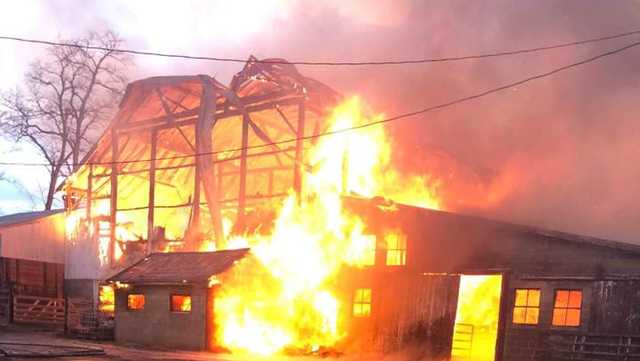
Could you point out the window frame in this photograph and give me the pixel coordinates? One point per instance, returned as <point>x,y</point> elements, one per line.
<point>526,306</point>
<point>144,301</point>
<point>567,307</point>
<point>361,303</point>
<point>400,252</point>
<point>180,295</point>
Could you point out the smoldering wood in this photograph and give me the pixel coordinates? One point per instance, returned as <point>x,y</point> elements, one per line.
<point>243,168</point>
<point>113,196</point>
<point>297,176</point>
<point>89,193</point>
<point>190,117</point>
<point>152,191</point>
<point>285,119</point>
<point>204,160</point>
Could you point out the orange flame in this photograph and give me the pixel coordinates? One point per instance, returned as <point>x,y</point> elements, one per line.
<point>282,297</point>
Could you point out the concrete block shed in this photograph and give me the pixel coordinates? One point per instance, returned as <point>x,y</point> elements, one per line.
<point>165,298</point>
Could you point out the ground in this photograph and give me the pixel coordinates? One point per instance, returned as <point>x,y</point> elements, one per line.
<point>54,341</point>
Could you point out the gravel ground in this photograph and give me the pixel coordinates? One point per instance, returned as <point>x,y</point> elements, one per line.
<point>54,341</point>
<point>58,342</point>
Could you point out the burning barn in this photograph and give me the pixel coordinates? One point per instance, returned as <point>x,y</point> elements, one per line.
<point>142,190</point>
<point>190,167</point>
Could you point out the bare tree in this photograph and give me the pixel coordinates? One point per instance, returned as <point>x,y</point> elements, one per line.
<point>67,99</point>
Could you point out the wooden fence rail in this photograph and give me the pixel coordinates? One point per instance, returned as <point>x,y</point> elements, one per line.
<point>39,310</point>
<point>594,347</point>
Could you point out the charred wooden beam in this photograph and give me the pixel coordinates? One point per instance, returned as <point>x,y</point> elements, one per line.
<point>186,139</point>
<point>297,175</point>
<point>158,121</point>
<point>152,190</point>
<point>113,195</point>
<point>204,158</point>
<point>89,192</point>
<point>285,119</point>
<point>243,168</point>
<point>190,117</point>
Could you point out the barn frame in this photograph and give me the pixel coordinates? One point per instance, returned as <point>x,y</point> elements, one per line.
<point>183,154</point>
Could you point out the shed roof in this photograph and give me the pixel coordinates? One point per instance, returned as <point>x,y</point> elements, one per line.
<point>179,267</point>
<point>24,217</point>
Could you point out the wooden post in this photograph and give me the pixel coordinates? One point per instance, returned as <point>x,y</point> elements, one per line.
<point>243,169</point>
<point>197,182</point>
<point>297,172</point>
<point>502,316</point>
<point>113,196</point>
<point>89,196</point>
<point>152,190</point>
<point>204,158</point>
<point>210,340</point>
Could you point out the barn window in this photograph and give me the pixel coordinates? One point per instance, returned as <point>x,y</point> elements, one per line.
<point>526,309</point>
<point>362,302</point>
<point>567,307</point>
<point>396,249</point>
<point>180,303</point>
<point>135,302</point>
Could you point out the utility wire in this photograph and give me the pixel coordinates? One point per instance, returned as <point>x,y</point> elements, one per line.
<point>326,63</point>
<point>373,123</point>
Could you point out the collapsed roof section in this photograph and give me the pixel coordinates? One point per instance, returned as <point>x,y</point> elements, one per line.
<point>186,148</point>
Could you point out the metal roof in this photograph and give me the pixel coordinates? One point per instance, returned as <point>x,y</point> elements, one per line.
<point>24,217</point>
<point>179,267</point>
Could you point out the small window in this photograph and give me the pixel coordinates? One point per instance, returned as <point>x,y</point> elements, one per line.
<point>526,309</point>
<point>135,302</point>
<point>180,303</point>
<point>567,307</point>
<point>362,302</point>
<point>396,249</point>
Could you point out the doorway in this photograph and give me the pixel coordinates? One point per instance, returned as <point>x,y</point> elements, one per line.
<point>477,315</point>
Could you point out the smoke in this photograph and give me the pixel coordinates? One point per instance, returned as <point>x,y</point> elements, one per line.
<point>560,153</point>
<point>557,153</point>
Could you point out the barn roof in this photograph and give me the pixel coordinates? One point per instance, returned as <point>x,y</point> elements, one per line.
<point>179,267</point>
<point>629,246</point>
<point>25,217</point>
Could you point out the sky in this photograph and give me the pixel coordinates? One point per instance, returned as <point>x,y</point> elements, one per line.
<point>559,153</point>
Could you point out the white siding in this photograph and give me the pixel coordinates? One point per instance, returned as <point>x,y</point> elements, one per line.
<point>37,240</point>
<point>81,252</point>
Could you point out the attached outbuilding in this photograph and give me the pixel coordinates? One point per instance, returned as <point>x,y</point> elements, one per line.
<point>168,298</point>
<point>486,290</point>
<point>32,267</point>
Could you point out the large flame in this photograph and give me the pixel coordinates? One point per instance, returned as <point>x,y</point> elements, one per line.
<point>283,296</point>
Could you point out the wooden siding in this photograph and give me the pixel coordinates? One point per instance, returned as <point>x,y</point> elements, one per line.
<point>407,310</point>
<point>31,277</point>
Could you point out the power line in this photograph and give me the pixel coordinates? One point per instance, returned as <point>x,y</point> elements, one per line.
<point>370,124</point>
<point>326,63</point>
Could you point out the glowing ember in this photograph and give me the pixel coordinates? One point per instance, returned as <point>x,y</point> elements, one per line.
<point>283,296</point>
